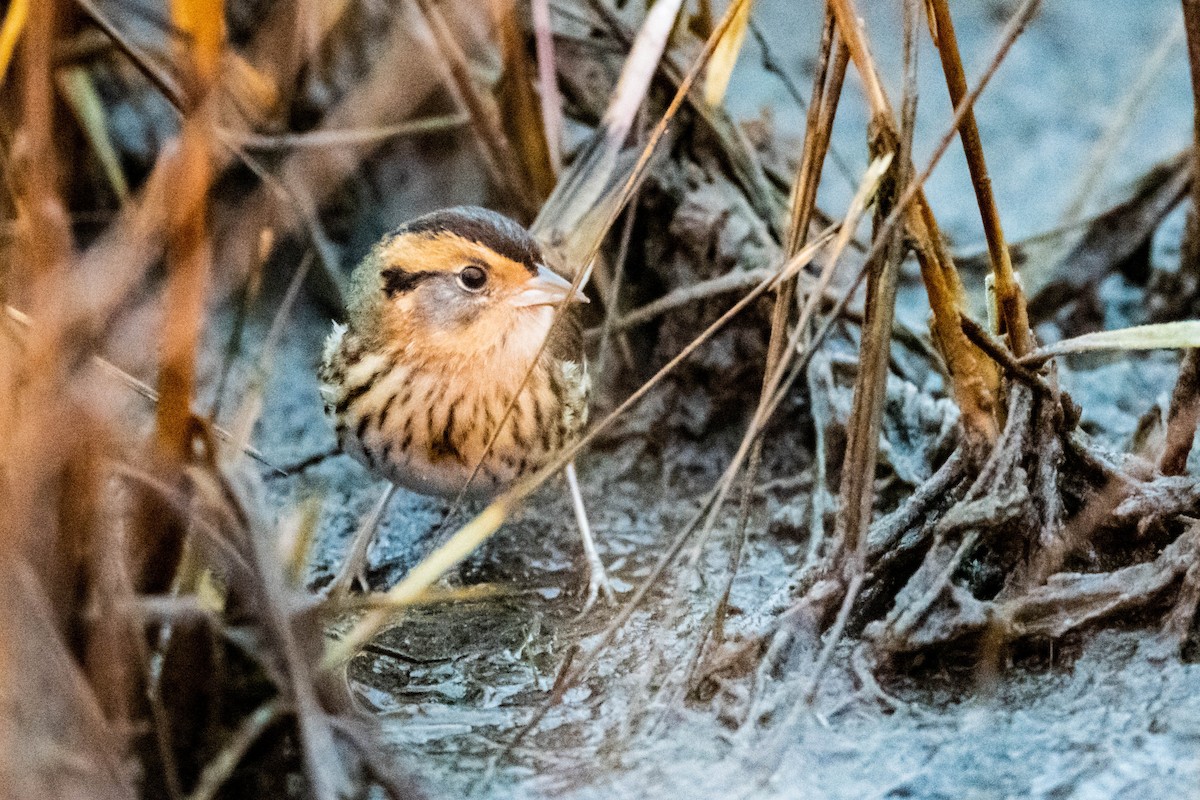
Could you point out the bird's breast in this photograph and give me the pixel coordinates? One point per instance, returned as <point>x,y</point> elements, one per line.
<point>432,431</point>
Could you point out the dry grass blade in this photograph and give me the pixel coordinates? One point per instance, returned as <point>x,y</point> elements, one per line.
<point>10,32</point>
<point>724,58</point>
<point>1159,336</point>
<point>418,580</point>
<point>574,219</point>
<point>345,138</point>
<point>82,98</point>
<point>826,95</point>
<point>551,98</point>
<point>219,770</point>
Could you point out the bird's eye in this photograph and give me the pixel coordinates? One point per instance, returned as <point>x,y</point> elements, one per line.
<point>472,278</point>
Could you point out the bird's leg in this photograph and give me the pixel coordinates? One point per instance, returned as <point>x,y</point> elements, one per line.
<point>354,567</point>
<point>597,577</point>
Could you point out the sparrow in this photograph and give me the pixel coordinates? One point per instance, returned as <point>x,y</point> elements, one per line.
<point>446,315</point>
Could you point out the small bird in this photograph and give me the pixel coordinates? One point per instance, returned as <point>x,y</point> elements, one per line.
<point>446,315</point>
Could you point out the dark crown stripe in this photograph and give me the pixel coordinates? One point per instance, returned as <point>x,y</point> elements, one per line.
<point>494,231</point>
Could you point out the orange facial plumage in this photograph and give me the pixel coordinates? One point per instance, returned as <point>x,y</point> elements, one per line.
<point>446,316</point>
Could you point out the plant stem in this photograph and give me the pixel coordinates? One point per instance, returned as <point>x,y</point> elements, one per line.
<point>1013,312</point>
<point>964,362</point>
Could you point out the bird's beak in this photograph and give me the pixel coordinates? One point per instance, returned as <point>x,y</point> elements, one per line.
<point>547,288</point>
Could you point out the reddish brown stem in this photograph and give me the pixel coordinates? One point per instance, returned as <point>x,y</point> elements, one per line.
<point>969,376</point>
<point>1013,315</point>
<point>1182,417</point>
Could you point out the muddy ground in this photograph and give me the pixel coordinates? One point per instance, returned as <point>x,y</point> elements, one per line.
<point>1105,715</point>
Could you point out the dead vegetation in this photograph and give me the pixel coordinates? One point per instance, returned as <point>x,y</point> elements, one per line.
<point>158,637</point>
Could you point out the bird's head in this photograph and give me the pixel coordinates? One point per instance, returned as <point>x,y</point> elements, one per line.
<point>461,280</point>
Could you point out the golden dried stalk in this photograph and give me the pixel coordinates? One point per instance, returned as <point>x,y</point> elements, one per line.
<point>969,376</point>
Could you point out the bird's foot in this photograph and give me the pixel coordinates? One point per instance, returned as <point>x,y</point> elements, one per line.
<point>598,583</point>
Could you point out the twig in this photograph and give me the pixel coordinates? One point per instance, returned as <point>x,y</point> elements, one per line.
<point>1003,356</point>
<point>344,138</point>
<point>219,770</point>
<point>732,281</point>
<point>142,62</point>
<point>1182,416</point>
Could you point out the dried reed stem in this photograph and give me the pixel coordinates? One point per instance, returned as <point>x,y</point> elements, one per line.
<point>822,108</point>
<point>1014,315</point>
<point>499,156</point>
<point>946,298</point>
<point>189,262</point>
<point>856,494</point>
<point>552,107</point>
<point>1182,416</point>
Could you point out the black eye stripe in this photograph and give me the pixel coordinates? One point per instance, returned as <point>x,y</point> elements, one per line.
<point>398,281</point>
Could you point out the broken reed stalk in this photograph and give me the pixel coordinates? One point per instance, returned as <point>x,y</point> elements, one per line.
<point>1181,422</point>
<point>946,297</point>
<point>1182,416</point>
<point>499,156</point>
<point>1010,301</point>
<point>523,119</point>
<point>866,414</point>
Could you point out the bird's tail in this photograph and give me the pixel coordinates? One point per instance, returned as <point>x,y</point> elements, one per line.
<point>576,216</point>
